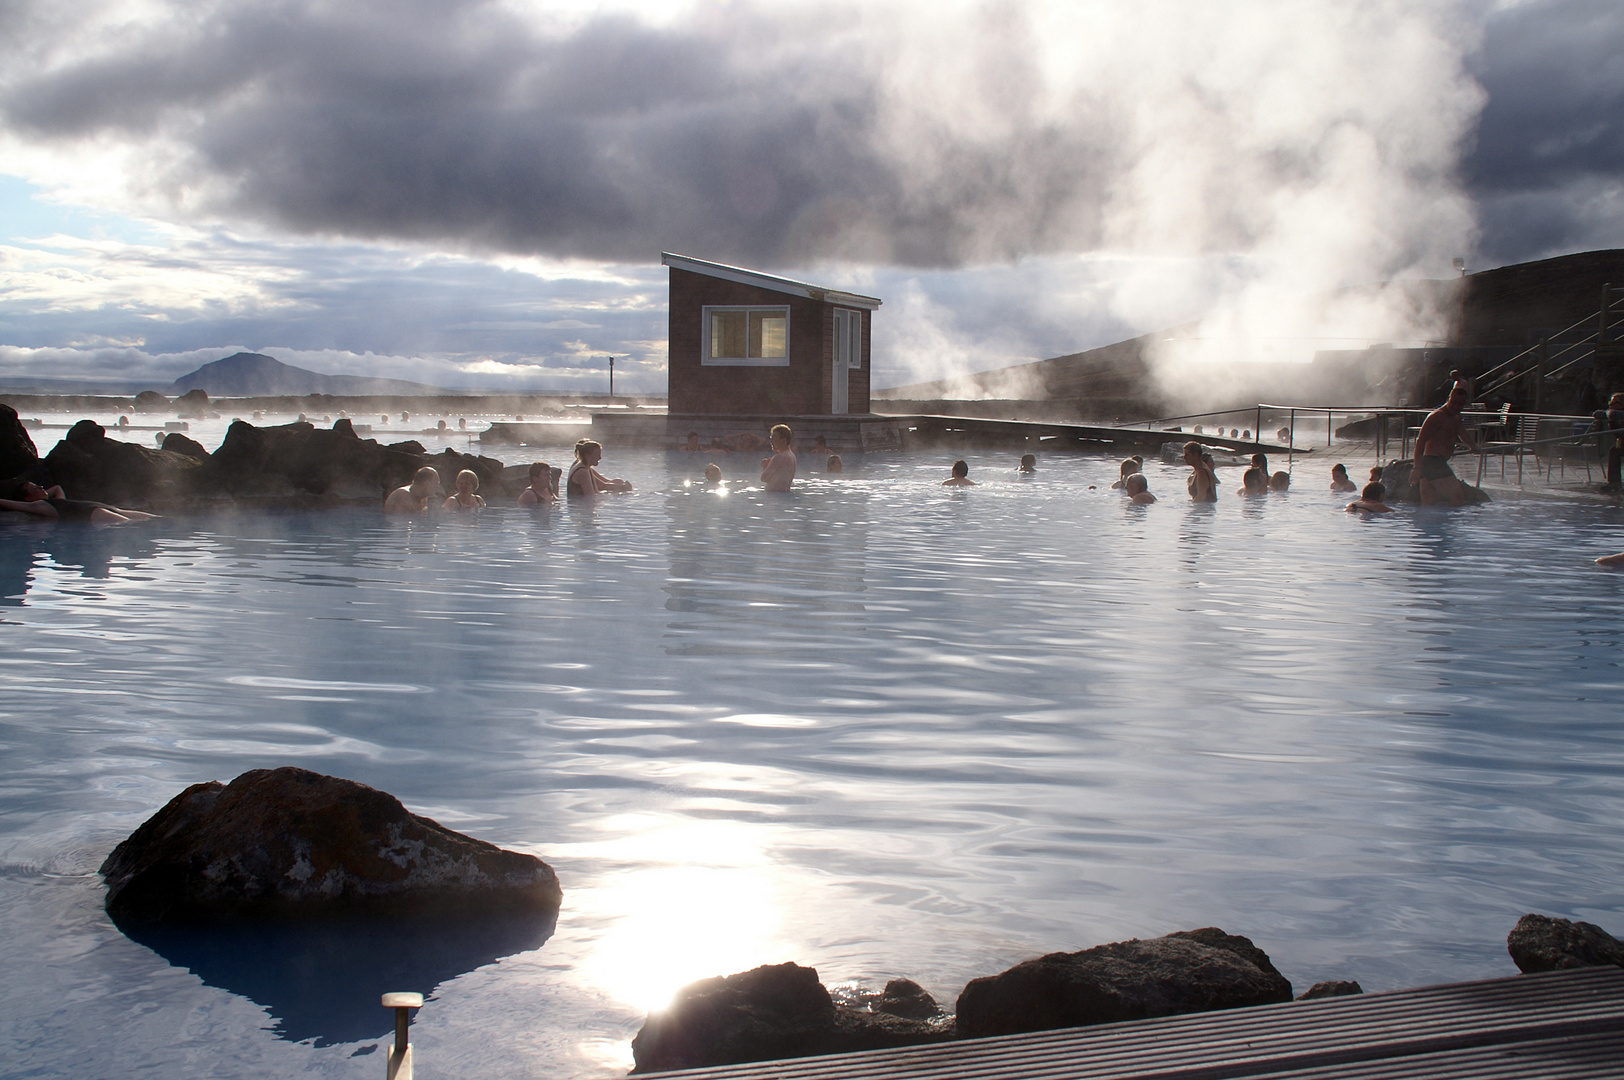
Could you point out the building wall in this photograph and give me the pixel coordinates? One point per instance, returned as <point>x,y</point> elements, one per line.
<point>799,389</point>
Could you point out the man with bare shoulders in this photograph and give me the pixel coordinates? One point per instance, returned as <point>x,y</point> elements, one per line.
<point>778,471</point>
<point>414,497</point>
<point>1432,476</point>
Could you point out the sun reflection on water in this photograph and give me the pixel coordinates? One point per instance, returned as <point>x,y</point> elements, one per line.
<point>701,898</point>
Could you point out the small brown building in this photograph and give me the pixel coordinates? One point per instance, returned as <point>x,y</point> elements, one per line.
<point>745,343</point>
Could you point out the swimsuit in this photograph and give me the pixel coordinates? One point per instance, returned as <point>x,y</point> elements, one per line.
<point>1195,487</point>
<point>1436,467</point>
<point>77,509</point>
<point>574,487</point>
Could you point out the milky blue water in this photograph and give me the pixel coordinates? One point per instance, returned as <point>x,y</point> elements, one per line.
<point>874,726</point>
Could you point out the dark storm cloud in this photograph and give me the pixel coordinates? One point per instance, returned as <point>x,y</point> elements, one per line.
<point>1547,171</point>
<point>745,134</point>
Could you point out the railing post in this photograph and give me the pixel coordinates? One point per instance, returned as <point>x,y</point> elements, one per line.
<point>1539,374</point>
<point>399,1065</point>
<point>1291,437</point>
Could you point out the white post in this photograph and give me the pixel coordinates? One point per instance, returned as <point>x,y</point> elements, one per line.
<point>399,1065</point>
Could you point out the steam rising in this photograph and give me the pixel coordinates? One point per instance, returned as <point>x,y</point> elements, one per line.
<point>1157,160</point>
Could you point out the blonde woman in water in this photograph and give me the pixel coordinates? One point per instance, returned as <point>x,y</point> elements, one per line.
<point>585,480</point>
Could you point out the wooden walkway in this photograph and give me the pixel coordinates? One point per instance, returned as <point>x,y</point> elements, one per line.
<point>1566,1024</point>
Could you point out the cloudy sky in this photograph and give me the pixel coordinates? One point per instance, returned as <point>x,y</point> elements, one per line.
<point>475,193</point>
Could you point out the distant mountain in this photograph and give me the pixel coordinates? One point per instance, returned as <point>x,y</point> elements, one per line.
<point>256,375</point>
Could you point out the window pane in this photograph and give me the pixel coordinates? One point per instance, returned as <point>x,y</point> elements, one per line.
<point>727,334</point>
<point>767,334</point>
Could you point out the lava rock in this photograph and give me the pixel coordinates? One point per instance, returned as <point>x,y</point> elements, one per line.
<point>1541,943</point>
<point>289,843</point>
<point>150,401</point>
<point>298,463</point>
<point>176,443</point>
<point>89,465</point>
<point>906,998</point>
<point>17,451</point>
<point>771,1012</point>
<point>1330,989</point>
<point>1188,971</point>
<point>194,404</point>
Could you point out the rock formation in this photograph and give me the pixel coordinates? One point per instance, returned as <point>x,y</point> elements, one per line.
<point>290,842</point>
<point>770,1012</point>
<point>17,451</point>
<point>1330,989</point>
<point>89,465</point>
<point>299,464</point>
<point>1541,943</point>
<point>176,443</point>
<point>906,998</point>
<point>1189,971</point>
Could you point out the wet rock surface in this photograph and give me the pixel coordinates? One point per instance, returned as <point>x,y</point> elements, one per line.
<point>906,998</point>
<point>293,843</point>
<point>770,1012</point>
<point>1541,943</point>
<point>1330,989</point>
<point>1188,971</point>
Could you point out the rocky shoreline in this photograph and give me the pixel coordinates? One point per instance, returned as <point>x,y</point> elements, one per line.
<point>285,844</point>
<point>782,1011</point>
<point>285,466</point>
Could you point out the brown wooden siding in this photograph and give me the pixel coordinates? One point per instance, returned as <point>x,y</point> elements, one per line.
<point>799,389</point>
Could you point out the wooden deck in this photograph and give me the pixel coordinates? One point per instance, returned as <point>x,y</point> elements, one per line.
<point>1104,437</point>
<point>1567,1024</point>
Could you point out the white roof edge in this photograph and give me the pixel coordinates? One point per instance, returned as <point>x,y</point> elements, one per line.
<point>768,281</point>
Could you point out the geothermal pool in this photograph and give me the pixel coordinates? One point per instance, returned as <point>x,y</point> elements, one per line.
<point>874,726</point>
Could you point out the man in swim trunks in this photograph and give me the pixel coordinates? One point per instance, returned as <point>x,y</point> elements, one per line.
<point>1432,476</point>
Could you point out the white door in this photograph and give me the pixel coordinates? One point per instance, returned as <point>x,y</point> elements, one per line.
<point>848,354</point>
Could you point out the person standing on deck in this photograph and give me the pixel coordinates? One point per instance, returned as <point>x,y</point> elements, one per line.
<point>778,471</point>
<point>1434,479</point>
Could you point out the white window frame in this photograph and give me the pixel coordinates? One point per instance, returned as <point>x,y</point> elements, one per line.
<point>705,358</point>
<point>854,327</point>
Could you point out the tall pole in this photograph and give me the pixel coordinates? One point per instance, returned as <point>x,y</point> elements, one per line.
<point>611,378</point>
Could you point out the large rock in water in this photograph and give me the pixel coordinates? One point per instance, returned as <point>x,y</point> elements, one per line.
<point>1189,971</point>
<point>771,1012</point>
<point>1541,943</point>
<point>89,465</point>
<point>298,463</point>
<point>17,451</point>
<point>290,842</point>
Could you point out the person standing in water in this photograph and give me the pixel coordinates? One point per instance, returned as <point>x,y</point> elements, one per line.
<point>1440,431</point>
<point>778,471</point>
<point>960,477</point>
<point>414,497</point>
<point>540,492</point>
<point>585,480</point>
<point>466,496</point>
<point>1203,485</point>
<point>1339,479</point>
<point>1255,481</point>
